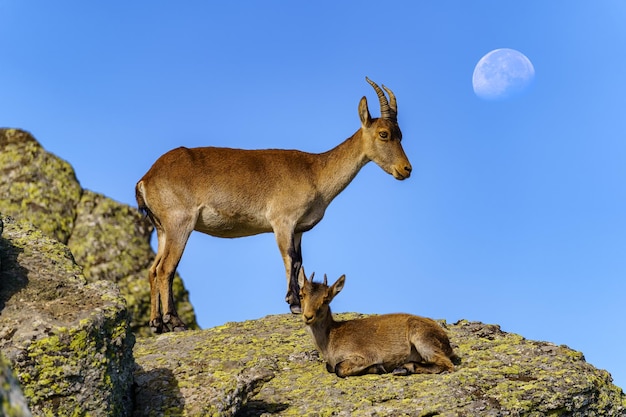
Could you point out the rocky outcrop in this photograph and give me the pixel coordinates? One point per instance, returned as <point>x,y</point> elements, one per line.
<point>12,401</point>
<point>36,185</point>
<point>270,367</point>
<point>111,241</point>
<point>69,341</point>
<point>70,346</point>
<point>73,271</point>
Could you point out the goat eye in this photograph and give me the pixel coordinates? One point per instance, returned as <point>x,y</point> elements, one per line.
<point>383,135</point>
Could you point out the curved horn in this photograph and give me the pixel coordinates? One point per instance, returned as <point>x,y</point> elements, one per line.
<point>386,111</point>
<point>392,100</point>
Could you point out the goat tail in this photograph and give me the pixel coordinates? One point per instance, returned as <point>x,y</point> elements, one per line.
<point>141,202</point>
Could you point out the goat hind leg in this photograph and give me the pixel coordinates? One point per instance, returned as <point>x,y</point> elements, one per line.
<point>437,364</point>
<point>170,317</point>
<point>434,361</point>
<point>442,362</point>
<point>434,353</point>
<point>156,320</point>
<point>172,252</point>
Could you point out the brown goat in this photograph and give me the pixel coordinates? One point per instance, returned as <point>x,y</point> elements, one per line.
<point>399,343</point>
<point>231,193</point>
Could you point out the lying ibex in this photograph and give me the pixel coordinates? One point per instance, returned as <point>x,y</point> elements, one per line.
<point>399,343</point>
<point>227,192</point>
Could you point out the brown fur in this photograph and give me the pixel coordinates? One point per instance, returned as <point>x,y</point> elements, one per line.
<point>231,193</point>
<point>399,343</point>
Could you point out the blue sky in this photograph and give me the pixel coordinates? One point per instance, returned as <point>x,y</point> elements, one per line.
<point>515,213</point>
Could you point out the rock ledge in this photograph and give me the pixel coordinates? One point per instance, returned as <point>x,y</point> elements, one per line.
<point>270,367</point>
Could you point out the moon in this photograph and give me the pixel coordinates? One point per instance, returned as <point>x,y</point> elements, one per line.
<point>502,73</point>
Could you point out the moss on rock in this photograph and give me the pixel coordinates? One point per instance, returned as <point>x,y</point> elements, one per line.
<point>37,185</point>
<point>12,401</point>
<point>69,340</point>
<point>110,240</point>
<point>204,374</point>
<point>499,374</point>
<point>65,330</point>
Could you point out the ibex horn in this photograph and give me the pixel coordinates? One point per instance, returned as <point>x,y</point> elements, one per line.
<point>392,101</point>
<point>387,110</point>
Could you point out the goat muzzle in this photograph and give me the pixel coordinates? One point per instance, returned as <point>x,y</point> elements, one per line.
<point>402,174</point>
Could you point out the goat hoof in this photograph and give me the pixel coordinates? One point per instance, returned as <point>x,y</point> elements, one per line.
<point>400,371</point>
<point>156,326</point>
<point>294,302</point>
<point>379,369</point>
<point>339,371</point>
<point>173,324</point>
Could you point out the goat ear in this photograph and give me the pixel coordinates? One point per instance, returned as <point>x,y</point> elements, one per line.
<point>337,287</point>
<point>302,277</point>
<point>364,113</point>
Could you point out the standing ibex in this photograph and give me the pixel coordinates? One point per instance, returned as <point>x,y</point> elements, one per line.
<point>399,343</point>
<point>227,192</point>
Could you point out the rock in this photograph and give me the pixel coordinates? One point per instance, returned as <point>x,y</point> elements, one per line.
<point>12,401</point>
<point>499,374</point>
<point>68,340</point>
<point>112,242</point>
<point>199,377</point>
<point>36,185</point>
<point>66,331</point>
<point>109,240</point>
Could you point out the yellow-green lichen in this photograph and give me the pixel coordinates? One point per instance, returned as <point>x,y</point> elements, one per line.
<point>12,401</point>
<point>76,353</point>
<point>499,373</point>
<point>39,186</point>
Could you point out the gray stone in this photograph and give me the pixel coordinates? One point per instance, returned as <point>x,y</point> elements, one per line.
<point>69,341</point>
<point>500,374</point>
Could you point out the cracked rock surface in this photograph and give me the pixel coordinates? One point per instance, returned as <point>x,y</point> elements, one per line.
<point>109,240</point>
<point>74,299</point>
<point>500,374</point>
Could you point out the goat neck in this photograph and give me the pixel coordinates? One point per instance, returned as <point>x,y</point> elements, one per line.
<point>339,166</point>
<point>321,330</point>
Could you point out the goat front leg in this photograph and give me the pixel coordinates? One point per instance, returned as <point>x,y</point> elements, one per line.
<point>293,287</point>
<point>290,248</point>
<point>357,365</point>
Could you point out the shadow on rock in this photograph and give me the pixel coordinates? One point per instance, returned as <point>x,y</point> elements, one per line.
<point>259,408</point>
<point>13,277</point>
<point>157,393</point>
